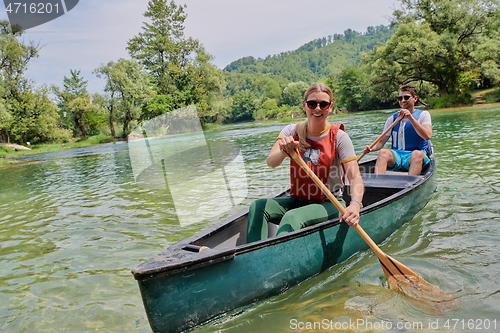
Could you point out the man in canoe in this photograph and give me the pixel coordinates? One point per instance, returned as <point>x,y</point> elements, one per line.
<point>410,137</point>
<point>329,152</point>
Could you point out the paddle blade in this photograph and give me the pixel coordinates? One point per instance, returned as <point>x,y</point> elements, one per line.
<point>428,297</point>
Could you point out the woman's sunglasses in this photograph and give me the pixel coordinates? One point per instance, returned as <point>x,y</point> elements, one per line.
<point>406,97</point>
<point>322,105</point>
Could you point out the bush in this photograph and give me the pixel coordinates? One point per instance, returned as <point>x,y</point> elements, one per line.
<point>275,112</point>
<point>492,96</point>
<point>5,150</point>
<point>449,101</point>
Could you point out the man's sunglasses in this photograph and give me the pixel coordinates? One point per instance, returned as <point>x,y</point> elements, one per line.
<point>406,97</point>
<point>322,105</point>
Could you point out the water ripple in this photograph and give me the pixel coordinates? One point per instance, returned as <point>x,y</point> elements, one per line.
<point>73,223</point>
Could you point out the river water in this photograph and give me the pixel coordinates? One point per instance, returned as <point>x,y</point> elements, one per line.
<point>73,223</point>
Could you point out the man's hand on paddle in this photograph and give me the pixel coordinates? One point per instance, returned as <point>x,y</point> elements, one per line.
<point>367,149</point>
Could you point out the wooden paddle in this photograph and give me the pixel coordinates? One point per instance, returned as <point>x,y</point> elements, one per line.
<point>400,278</point>
<point>398,119</point>
<point>393,270</point>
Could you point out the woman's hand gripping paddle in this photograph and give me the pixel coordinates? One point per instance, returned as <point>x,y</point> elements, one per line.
<point>399,277</point>
<point>398,119</point>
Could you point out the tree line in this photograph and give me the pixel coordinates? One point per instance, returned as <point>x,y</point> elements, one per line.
<point>446,48</point>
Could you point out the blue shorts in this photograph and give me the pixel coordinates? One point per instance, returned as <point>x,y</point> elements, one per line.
<point>403,159</point>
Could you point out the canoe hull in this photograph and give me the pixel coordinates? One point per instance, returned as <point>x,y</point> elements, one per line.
<point>178,300</point>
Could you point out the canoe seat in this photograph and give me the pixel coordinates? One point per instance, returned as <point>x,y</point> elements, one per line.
<point>389,180</point>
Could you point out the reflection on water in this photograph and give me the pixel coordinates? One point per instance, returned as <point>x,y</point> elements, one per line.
<point>73,223</point>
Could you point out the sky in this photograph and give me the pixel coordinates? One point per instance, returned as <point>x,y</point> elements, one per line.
<point>96,32</point>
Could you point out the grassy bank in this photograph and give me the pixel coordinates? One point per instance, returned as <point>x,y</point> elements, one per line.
<point>7,153</point>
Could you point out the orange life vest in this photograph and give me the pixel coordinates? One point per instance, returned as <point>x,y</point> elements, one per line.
<point>319,158</point>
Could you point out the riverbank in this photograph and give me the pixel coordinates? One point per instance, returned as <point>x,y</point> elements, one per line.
<point>7,152</point>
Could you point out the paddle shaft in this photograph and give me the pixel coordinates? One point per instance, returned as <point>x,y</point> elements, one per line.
<point>398,119</point>
<point>390,266</point>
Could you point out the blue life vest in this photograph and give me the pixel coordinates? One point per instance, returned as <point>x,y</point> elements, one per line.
<point>412,140</point>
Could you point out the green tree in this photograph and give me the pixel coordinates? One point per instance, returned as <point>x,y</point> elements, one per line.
<point>87,116</point>
<point>436,41</point>
<point>207,84</point>
<point>260,85</point>
<point>34,118</point>
<point>270,110</point>
<point>243,107</point>
<point>14,59</point>
<point>219,109</point>
<point>5,116</point>
<point>107,102</point>
<point>129,89</point>
<point>488,55</point>
<point>179,65</point>
<point>351,89</point>
<point>272,90</point>
<point>74,86</point>
<point>160,105</point>
<point>350,35</point>
<point>293,94</point>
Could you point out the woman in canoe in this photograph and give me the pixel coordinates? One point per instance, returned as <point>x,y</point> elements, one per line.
<point>328,150</point>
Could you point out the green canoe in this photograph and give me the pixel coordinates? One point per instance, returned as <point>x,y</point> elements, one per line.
<point>182,288</point>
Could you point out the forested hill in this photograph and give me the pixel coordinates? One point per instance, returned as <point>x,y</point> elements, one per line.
<point>317,59</point>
